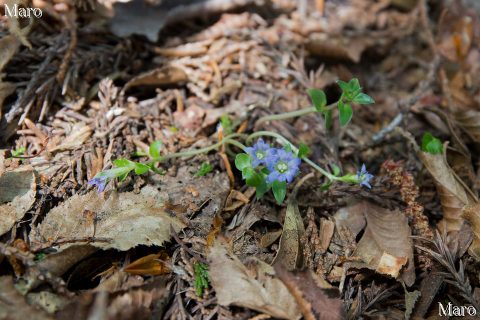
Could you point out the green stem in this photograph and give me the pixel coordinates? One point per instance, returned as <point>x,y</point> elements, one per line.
<point>189,153</point>
<point>294,114</point>
<point>284,141</point>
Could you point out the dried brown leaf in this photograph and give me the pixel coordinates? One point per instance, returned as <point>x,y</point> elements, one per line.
<point>385,246</point>
<point>17,195</point>
<point>471,213</point>
<point>469,120</point>
<point>158,77</point>
<point>152,265</point>
<point>290,252</point>
<point>453,193</point>
<point>125,219</point>
<point>235,284</point>
<point>314,303</point>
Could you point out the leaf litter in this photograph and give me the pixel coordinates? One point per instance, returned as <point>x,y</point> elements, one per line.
<point>94,82</point>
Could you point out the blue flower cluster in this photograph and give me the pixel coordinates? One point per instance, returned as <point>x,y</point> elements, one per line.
<point>282,165</point>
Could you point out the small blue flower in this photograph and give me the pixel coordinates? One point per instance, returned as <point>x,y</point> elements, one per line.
<point>364,177</point>
<point>258,152</point>
<point>283,165</point>
<point>100,182</point>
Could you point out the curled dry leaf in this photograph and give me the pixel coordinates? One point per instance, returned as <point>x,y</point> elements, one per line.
<point>125,219</point>
<point>314,302</point>
<point>469,120</point>
<point>453,193</point>
<point>253,287</point>
<point>385,246</point>
<point>290,252</point>
<point>472,214</point>
<point>158,77</point>
<point>151,265</point>
<point>17,194</point>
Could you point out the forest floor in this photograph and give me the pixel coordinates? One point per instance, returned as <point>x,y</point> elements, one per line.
<point>111,209</point>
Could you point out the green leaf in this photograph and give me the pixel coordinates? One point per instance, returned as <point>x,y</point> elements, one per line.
<point>336,170</point>
<point>204,169</point>
<point>154,149</point>
<point>319,99</point>
<point>18,152</point>
<point>141,168</point>
<point>303,150</point>
<point>287,147</point>
<point>123,176</point>
<point>345,113</point>
<point>344,86</point>
<point>255,180</point>
<point>242,161</point>
<point>326,186</point>
<point>40,256</point>
<point>279,190</point>
<point>430,144</point>
<point>328,119</point>
<point>354,86</point>
<point>363,98</point>
<point>247,173</point>
<point>138,154</point>
<point>226,124</point>
<point>121,163</point>
<point>261,189</point>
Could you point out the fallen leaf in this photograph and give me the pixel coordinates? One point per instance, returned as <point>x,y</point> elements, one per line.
<point>385,246</point>
<point>471,213</point>
<point>469,120</point>
<point>125,219</point>
<point>290,252</point>
<point>17,195</point>
<point>13,305</point>
<point>151,265</point>
<point>453,193</point>
<point>158,77</point>
<point>314,302</point>
<point>253,288</point>
<point>338,48</point>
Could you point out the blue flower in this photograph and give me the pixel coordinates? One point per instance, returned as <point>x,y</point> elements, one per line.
<point>283,165</point>
<point>258,152</point>
<point>99,181</point>
<point>364,177</point>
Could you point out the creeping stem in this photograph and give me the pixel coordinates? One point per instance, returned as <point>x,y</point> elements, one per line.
<point>294,114</point>
<point>227,140</point>
<point>284,141</point>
